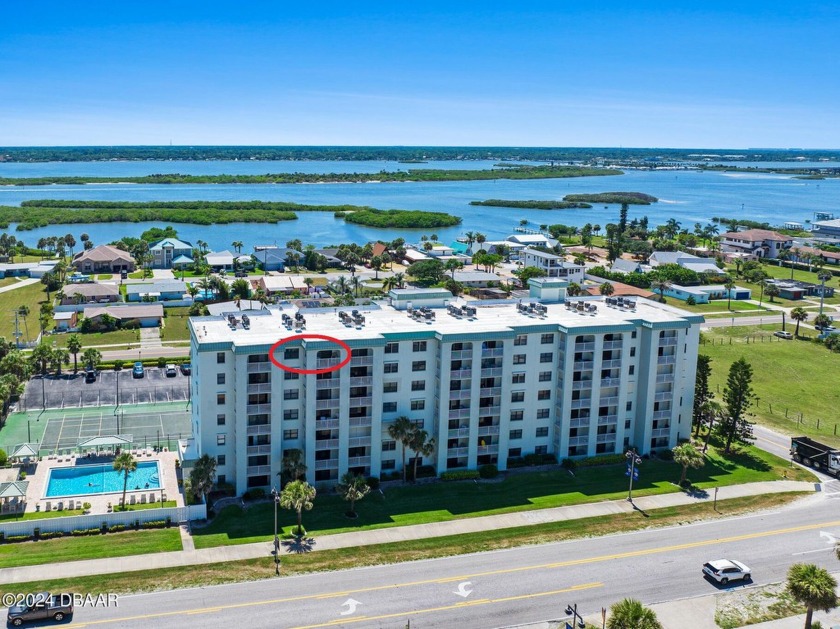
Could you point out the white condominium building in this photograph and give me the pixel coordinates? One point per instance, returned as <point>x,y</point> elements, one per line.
<point>573,378</point>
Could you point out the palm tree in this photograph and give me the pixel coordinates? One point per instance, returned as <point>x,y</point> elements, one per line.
<point>92,357</point>
<point>293,466</point>
<point>376,265</point>
<point>401,430</point>
<point>606,289</point>
<point>480,239</point>
<point>422,445</point>
<point>728,284</point>
<point>812,586</point>
<point>470,238</point>
<point>356,282</point>
<point>389,283</point>
<point>237,244</point>
<point>687,456</point>
<point>202,476</point>
<point>631,614</point>
<point>574,289</point>
<point>298,496</point>
<point>798,314</point>
<point>353,488</point>
<point>308,281</point>
<point>126,464</point>
<point>452,265</point>
<point>822,321</point>
<point>59,357</point>
<point>400,279</point>
<point>771,291</point>
<point>662,285</point>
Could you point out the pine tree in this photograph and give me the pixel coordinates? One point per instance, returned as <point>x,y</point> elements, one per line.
<point>702,394</point>
<point>738,396</point>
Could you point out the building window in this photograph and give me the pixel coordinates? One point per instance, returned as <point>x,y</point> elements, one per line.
<point>392,367</point>
<point>517,416</point>
<point>418,346</point>
<point>392,348</point>
<point>514,452</point>
<point>389,446</point>
<point>629,406</point>
<point>220,419</point>
<point>220,459</point>
<point>290,434</point>
<point>632,369</point>
<point>418,365</point>
<point>221,479</point>
<point>389,387</point>
<point>546,357</point>
<point>633,334</point>
<point>519,359</point>
<point>543,413</point>
<point>418,405</point>
<point>545,394</point>
<point>418,385</point>
<point>632,352</point>
<point>515,434</point>
<point>389,407</point>
<point>291,414</point>
<point>542,432</point>
<point>547,339</point>
<point>291,353</point>
<point>220,399</point>
<point>541,450</point>
<point>220,378</point>
<point>220,439</point>
<point>390,464</point>
<point>518,378</point>
<point>545,376</point>
<point>290,375</point>
<point>220,358</point>
<point>291,394</point>
<point>521,339</point>
<point>517,396</point>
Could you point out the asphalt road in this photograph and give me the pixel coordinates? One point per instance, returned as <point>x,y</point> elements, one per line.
<point>725,322</point>
<point>503,588</point>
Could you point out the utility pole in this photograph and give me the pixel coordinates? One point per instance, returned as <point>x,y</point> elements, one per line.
<point>633,460</point>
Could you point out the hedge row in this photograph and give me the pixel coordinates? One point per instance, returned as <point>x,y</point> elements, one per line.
<point>460,475</point>
<point>115,528</point>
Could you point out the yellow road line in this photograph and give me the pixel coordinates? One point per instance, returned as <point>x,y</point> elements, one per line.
<point>467,577</point>
<point>485,601</point>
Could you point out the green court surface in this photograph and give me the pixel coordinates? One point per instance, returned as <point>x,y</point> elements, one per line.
<point>62,429</point>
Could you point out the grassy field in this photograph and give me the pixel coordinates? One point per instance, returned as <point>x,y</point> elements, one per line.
<point>32,296</point>
<point>94,339</point>
<point>92,547</point>
<point>439,502</point>
<point>302,563</point>
<point>8,281</point>
<point>39,515</point>
<point>788,376</point>
<point>175,324</point>
<point>718,305</point>
<point>783,273</point>
<point>105,276</point>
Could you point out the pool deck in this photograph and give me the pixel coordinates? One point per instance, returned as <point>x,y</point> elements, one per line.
<point>36,492</point>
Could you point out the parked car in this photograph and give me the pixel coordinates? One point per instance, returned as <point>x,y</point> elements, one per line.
<point>725,570</point>
<point>171,372</point>
<point>90,375</point>
<point>41,606</point>
<point>138,371</point>
<point>186,369</point>
<point>783,335</point>
<point>826,328</point>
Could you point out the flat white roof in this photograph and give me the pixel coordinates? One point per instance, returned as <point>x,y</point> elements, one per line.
<point>268,328</point>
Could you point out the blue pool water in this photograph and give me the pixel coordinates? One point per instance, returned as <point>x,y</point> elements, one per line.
<point>100,479</point>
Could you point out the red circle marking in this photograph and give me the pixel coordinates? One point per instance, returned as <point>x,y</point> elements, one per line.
<point>313,372</point>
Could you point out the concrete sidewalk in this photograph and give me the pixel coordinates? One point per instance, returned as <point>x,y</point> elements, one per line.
<point>387,535</point>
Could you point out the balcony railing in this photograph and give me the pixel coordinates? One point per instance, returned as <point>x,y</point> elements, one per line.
<point>491,353</point>
<point>461,394</point>
<point>582,365</point>
<point>460,374</point>
<point>465,354</point>
<point>491,392</point>
<point>584,347</point>
<point>607,438</point>
<point>458,432</point>
<point>453,452</point>
<point>607,419</point>
<point>666,360</point>
<point>668,340</point>
<point>660,432</point>
<point>359,442</point>
<point>358,461</point>
<point>579,422</point>
<point>257,409</point>
<point>460,413</point>
<point>610,382</point>
<point>333,383</point>
<point>492,449</point>
<point>263,387</point>
<point>661,414</point>
<point>665,378</point>
<point>326,424</point>
<point>361,421</point>
<point>582,403</point>
<point>325,404</point>
<point>578,385</point>
<point>664,396</point>
<point>361,361</point>
<point>361,401</point>
<point>325,363</point>
<point>611,364</point>
<point>579,441</point>
<point>361,381</point>
<point>484,431</point>
<point>491,372</point>
<point>612,344</point>
<point>263,449</point>
<point>263,367</point>
<point>326,444</point>
<point>260,429</point>
<point>608,401</point>
<point>258,470</point>
<point>326,464</point>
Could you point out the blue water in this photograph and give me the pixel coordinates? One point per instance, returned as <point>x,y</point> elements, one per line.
<point>687,196</point>
<point>100,479</point>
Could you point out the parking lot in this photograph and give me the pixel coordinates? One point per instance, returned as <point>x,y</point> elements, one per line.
<point>71,391</point>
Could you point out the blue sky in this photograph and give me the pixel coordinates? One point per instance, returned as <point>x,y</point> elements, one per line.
<point>759,74</point>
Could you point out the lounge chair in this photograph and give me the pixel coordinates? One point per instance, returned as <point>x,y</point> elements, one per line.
<point>133,499</point>
<point>48,507</point>
<point>71,505</point>
<point>142,499</point>
<point>152,498</point>
<point>60,506</point>
<point>122,502</point>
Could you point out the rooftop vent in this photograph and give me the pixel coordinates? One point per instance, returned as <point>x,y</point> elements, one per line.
<point>246,322</point>
<point>624,303</point>
<point>532,309</point>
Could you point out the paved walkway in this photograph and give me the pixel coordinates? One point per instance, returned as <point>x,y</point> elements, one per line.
<point>386,535</point>
<point>19,284</point>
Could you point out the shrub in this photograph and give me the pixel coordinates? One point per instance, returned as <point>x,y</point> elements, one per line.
<point>426,471</point>
<point>83,532</point>
<point>459,475</point>
<point>18,538</point>
<point>116,528</point>
<point>607,459</point>
<point>568,464</point>
<point>690,301</point>
<point>254,494</point>
<point>532,459</point>
<point>36,532</point>
<point>4,458</point>
<point>154,524</point>
<point>161,362</point>
<point>516,461</point>
<point>86,506</point>
<point>118,365</point>
<point>22,476</point>
<point>488,471</point>
<point>373,482</point>
<point>666,455</point>
<point>50,535</point>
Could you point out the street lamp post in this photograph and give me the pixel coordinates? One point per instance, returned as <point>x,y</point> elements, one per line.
<point>572,611</point>
<point>633,460</point>
<point>276,498</point>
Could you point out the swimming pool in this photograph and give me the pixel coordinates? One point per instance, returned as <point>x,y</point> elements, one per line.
<point>100,479</point>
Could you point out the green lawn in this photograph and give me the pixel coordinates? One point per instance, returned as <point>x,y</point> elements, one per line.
<point>105,276</point>
<point>175,324</point>
<point>444,501</point>
<point>783,273</point>
<point>8,281</point>
<point>795,376</point>
<point>40,515</point>
<point>32,296</point>
<point>718,305</point>
<point>92,339</point>
<point>92,547</point>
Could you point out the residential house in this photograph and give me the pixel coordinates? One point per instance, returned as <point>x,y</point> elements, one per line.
<point>220,260</point>
<point>148,315</point>
<point>756,243</point>
<point>829,257</point>
<point>554,265</point>
<point>27,269</point>
<point>65,321</point>
<point>90,293</point>
<point>703,266</point>
<point>705,294</point>
<point>164,290</point>
<point>475,279</point>
<point>166,251</point>
<point>829,228</point>
<point>276,258</point>
<point>281,284</point>
<point>621,265</point>
<point>533,240</point>
<point>794,289</point>
<point>103,259</point>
